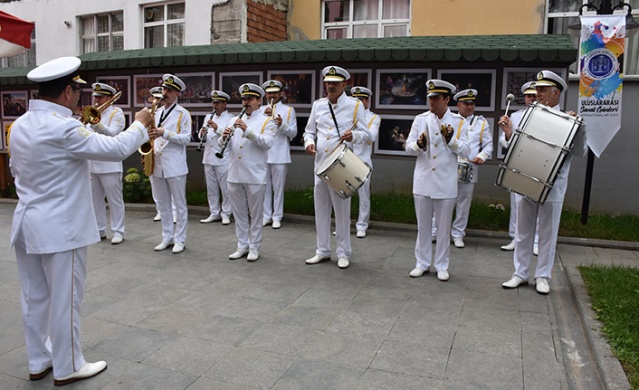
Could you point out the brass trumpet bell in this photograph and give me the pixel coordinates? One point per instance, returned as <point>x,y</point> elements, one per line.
<point>92,114</point>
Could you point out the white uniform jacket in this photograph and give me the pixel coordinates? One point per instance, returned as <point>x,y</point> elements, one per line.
<point>515,118</point>
<point>435,172</point>
<point>280,153</point>
<point>170,149</point>
<point>365,149</point>
<point>320,129</point>
<point>480,141</point>
<point>111,123</point>
<point>248,150</point>
<point>50,153</point>
<point>212,146</point>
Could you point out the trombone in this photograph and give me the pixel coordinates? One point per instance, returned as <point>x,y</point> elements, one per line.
<point>92,114</point>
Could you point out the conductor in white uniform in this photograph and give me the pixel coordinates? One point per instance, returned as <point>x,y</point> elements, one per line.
<point>53,222</point>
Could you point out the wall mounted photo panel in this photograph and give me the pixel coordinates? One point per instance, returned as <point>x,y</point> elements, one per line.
<point>481,80</point>
<point>142,85</point>
<point>393,132</point>
<point>14,103</point>
<point>198,89</point>
<point>298,88</point>
<point>514,78</point>
<point>231,82</point>
<point>297,143</point>
<point>402,89</point>
<point>120,83</point>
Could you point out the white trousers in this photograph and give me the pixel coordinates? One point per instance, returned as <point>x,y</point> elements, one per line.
<point>216,183</point>
<point>442,210</point>
<point>52,291</point>
<point>512,223</point>
<point>274,197</point>
<point>167,189</point>
<point>546,218</point>
<point>247,202</point>
<point>109,185</point>
<point>325,200</point>
<point>462,209</point>
<point>364,215</point>
<point>157,208</point>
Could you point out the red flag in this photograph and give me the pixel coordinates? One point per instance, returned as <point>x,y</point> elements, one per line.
<point>15,35</point>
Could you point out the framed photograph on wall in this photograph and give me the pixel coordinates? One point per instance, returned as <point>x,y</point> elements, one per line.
<point>230,83</point>
<point>360,77</point>
<point>120,83</point>
<point>298,86</point>
<point>297,143</point>
<point>481,80</point>
<point>86,99</point>
<point>14,103</point>
<point>393,132</point>
<point>5,130</point>
<point>198,89</point>
<point>514,78</point>
<point>142,85</point>
<point>197,121</point>
<point>402,89</point>
<point>34,94</point>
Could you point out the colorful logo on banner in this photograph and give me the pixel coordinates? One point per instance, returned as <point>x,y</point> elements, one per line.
<point>600,77</point>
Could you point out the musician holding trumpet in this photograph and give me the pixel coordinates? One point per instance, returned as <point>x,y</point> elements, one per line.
<point>248,138</point>
<point>216,169</point>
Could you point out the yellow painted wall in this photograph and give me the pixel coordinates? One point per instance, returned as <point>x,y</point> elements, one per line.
<point>440,17</point>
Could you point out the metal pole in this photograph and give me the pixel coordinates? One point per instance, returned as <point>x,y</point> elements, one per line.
<point>587,186</point>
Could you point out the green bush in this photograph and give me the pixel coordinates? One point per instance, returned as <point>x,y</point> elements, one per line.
<point>136,187</point>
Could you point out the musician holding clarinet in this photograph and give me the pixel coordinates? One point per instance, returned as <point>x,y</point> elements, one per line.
<point>247,140</point>
<point>334,119</point>
<point>549,87</point>
<point>438,138</point>
<point>216,169</point>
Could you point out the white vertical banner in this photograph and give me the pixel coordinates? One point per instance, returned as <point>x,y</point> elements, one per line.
<point>601,50</point>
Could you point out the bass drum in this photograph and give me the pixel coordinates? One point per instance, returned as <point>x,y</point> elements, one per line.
<point>344,171</point>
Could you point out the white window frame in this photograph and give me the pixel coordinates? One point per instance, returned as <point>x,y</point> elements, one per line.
<point>95,35</point>
<point>164,23</point>
<point>349,24</point>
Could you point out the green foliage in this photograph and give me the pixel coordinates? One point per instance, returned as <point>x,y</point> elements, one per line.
<point>136,187</point>
<point>614,292</point>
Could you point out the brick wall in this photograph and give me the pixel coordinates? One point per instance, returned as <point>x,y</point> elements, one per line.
<point>265,22</point>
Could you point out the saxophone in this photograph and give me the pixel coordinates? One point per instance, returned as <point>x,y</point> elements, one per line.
<point>146,149</point>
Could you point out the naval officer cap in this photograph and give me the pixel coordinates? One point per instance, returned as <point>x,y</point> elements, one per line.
<point>466,95</point>
<point>101,89</point>
<point>219,96</point>
<point>547,78</point>
<point>529,88</point>
<point>272,86</point>
<point>156,92</point>
<point>58,69</point>
<point>361,92</point>
<point>439,87</point>
<point>172,81</point>
<point>250,89</point>
<point>335,74</point>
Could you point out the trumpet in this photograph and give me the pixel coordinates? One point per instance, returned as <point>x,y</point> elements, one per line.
<point>92,114</point>
<point>202,134</point>
<point>146,149</point>
<point>220,154</point>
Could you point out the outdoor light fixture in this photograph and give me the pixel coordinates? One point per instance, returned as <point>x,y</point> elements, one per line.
<point>632,27</point>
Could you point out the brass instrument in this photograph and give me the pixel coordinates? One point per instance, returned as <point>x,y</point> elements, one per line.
<point>146,149</point>
<point>272,108</point>
<point>220,154</point>
<point>92,114</point>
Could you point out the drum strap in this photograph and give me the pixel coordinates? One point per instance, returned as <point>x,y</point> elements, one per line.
<point>330,107</point>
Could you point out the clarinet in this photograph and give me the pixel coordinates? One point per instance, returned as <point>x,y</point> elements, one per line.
<point>205,128</point>
<point>220,154</point>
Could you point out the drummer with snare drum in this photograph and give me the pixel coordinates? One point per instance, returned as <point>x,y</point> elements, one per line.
<point>334,119</point>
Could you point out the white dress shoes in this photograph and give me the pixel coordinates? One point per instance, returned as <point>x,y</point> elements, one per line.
<point>178,247</point>
<point>157,217</point>
<point>317,259</point>
<point>163,245</point>
<point>509,247</point>
<point>253,255</point>
<point>117,239</point>
<point>277,224</point>
<point>417,272</point>
<point>443,276</point>
<point>211,218</point>
<point>226,220</point>
<point>536,250</point>
<point>343,262</point>
<point>459,242</point>
<point>238,254</point>
<point>514,282</point>
<point>266,222</point>
<point>361,233</point>
<point>87,371</point>
<point>541,285</point>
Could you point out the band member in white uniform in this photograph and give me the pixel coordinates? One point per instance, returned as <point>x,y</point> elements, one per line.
<point>530,96</point>
<point>364,151</point>
<point>333,120</point>
<point>437,137</point>
<point>480,141</point>
<point>251,136</point>
<point>279,155</point>
<point>216,169</point>
<point>106,176</point>
<point>170,137</point>
<point>549,87</point>
<point>53,222</point>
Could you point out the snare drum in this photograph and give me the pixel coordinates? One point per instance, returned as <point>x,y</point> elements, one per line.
<point>344,171</point>
<point>537,151</point>
<point>464,171</point>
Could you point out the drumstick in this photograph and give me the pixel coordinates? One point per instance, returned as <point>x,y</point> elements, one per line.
<point>510,98</point>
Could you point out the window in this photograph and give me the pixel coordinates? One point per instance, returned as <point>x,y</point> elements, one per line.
<point>365,18</point>
<point>103,32</point>
<point>27,58</point>
<point>164,25</point>
<point>563,13</point>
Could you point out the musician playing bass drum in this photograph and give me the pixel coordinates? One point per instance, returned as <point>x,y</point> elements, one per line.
<point>549,87</point>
